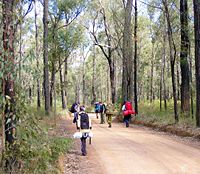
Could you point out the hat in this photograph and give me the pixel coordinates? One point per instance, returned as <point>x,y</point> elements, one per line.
<point>82,108</point>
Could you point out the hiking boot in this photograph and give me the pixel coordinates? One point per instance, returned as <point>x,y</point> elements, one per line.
<point>109,126</point>
<point>84,154</point>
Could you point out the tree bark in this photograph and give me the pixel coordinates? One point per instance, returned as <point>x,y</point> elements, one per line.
<point>65,79</point>
<point>45,56</point>
<point>108,53</point>
<point>135,60</point>
<point>93,79</point>
<point>127,75</point>
<point>185,80</point>
<point>152,72</point>
<point>53,74</point>
<point>197,57</point>
<point>191,82</point>
<point>8,81</point>
<point>61,85</point>
<point>37,57</point>
<point>178,81</point>
<point>84,86</point>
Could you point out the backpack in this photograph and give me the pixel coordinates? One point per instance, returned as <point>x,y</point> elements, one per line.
<point>128,105</point>
<point>129,109</point>
<point>97,107</point>
<point>102,107</point>
<point>72,110</point>
<point>109,109</point>
<point>84,121</point>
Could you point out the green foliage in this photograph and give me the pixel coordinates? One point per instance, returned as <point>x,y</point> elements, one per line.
<point>150,112</point>
<point>33,147</point>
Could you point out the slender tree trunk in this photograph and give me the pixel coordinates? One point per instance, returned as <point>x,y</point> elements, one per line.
<point>37,57</point>
<point>93,79</point>
<point>127,76</point>
<point>61,85</point>
<point>65,79</point>
<point>108,86</point>
<point>172,58</point>
<point>54,96</point>
<point>152,68</point>
<point>20,50</point>
<point>197,57</point>
<point>135,60</point>
<point>112,80</point>
<point>162,83</point>
<point>164,65</point>
<point>46,65</point>
<point>84,87</point>
<point>53,74</point>
<point>178,80</point>
<point>162,78</point>
<point>101,88</point>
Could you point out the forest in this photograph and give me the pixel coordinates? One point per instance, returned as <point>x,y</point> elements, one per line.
<point>56,52</point>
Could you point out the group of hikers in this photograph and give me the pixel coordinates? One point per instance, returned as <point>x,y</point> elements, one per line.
<point>83,121</point>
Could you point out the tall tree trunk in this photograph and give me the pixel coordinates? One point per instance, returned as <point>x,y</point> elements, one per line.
<point>135,59</point>
<point>65,79</point>
<point>20,50</point>
<point>112,80</point>
<point>84,94</point>
<point>127,76</point>
<point>108,52</point>
<point>93,79</point>
<point>197,57</point>
<point>45,55</point>
<point>8,81</point>
<point>164,65</point>
<point>178,80</point>
<point>108,86</point>
<point>185,80</point>
<point>37,57</point>
<point>53,75</point>
<point>61,85</point>
<point>152,68</point>
<point>172,50</point>
<point>191,83</point>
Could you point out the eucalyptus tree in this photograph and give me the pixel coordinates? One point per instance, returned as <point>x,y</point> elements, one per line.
<point>172,49</point>
<point>127,77</point>
<point>9,62</point>
<point>185,81</point>
<point>197,57</point>
<point>135,59</point>
<point>62,14</point>
<point>101,30</point>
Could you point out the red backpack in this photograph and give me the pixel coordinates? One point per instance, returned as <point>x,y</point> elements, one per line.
<point>128,105</point>
<point>129,109</point>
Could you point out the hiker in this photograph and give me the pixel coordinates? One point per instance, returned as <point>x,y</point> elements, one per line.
<point>127,111</point>
<point>75,109</point>
<point>109,114</point>
<point>96,109</point>
<point>84,125</point>
<point>102,111</point>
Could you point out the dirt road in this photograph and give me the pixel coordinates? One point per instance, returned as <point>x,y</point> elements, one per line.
<point>138,150</point>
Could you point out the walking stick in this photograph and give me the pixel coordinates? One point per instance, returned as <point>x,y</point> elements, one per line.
<point>90,140</point>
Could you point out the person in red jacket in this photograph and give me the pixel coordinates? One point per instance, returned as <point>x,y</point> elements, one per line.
<point>127,111</point>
